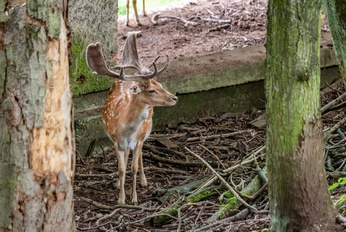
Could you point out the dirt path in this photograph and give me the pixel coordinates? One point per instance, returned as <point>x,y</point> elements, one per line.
<point>211,27</point>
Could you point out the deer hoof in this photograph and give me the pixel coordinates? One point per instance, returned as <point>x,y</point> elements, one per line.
<point>121,201</point>
<point>134,202</point>
<point>144,183</point>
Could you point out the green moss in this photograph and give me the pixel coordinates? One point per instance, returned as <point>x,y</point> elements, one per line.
<point>53,24</point>
<point>229,194</point>
<point>163,218</point>
<point>8,183</point>
<point>3,16</point>
<point>81,77</point>
<point>2,72</point>
<point>199,197</point>
<point>232,203</point>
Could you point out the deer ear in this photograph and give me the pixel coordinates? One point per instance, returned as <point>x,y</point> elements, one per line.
<point>135,89</point>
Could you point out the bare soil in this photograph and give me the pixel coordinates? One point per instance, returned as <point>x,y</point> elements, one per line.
<point>212,26</point>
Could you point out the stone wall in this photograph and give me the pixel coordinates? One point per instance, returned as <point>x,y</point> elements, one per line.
<point>91,21</point>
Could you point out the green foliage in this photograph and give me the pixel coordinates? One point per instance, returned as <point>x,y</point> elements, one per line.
<point>341,181</point>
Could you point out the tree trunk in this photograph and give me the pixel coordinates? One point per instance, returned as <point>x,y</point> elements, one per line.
<point>336,14</point>
<point>36,137</point>
<point>298,190</point>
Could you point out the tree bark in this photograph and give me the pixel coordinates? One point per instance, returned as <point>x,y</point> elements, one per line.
<point>298,190</point>
<point>336,16</point>
<point>36,138</point>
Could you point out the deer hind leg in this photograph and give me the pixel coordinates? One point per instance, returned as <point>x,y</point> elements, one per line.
<point>136,12</point>
<point>122,172</point>
<point>135,157</point>
<point>144,13</point>
<point>127,12</point>
<point>143,179</point>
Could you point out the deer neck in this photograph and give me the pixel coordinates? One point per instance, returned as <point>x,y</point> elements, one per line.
<point>137,112</point>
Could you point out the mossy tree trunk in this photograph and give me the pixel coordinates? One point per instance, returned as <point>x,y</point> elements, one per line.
<point>336,15</point>
<point>298,190</point>
<point>36,135</point>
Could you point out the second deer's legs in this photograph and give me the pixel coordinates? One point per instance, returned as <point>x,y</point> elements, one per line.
<point>127,12</point>
<point>136,12</point>
<point>144,13</point>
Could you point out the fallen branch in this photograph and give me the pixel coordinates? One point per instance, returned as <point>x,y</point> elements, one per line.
<point>156,16</point>
<point>253,188</point>
<point>249,160</point>
<point>179,214</point>
<point>239,216</point>
<point>217,20</point>
<point>156,149</point>
<point>216,157</point>
<point>218,136</point>
<point>328,133</point>
<point>333,103</point>
<point>102,206</point>
<point>223,181</point>
<point>201,188</point>
<point>336,175</point>
<point>98,222</point>
<point>219,27</point>
<point>176,192</point>
<point>177,162</point>
<point>341,220</point>
<point>152,216</point>
<point>170,211</point>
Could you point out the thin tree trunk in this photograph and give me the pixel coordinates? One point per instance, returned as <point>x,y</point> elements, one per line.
<point>336,14</point>
<point>36,137</point>
<point>298,191</point>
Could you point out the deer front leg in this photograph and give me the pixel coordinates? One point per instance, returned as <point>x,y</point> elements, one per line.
<point>127,12</point>
<point>122,172</point>
<point>135,157</point>
<point>143,179</point>
<point>136,12</point>
<point>144,13</point>
<point>126,159</point>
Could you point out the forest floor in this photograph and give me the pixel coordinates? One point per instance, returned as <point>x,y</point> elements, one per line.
<point>199,28</point>
<point>168,164</point>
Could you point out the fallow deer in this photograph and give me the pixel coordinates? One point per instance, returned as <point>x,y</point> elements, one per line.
<point>128,110</point>
<point>134,3</point>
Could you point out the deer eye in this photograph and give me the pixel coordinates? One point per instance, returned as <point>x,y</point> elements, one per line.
<point>152,91</point>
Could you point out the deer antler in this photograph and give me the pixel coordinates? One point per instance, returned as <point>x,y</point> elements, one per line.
<point>96,62</point>
<point>164,67</point>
